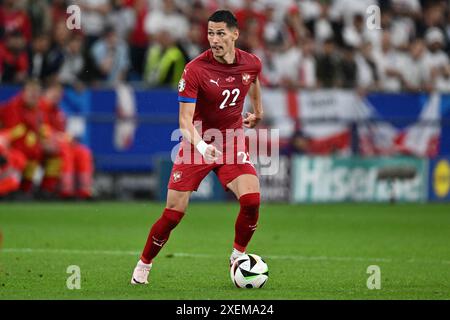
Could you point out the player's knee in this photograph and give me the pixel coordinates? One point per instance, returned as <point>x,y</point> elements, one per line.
<point>173,217</point>
<point>250,203</point>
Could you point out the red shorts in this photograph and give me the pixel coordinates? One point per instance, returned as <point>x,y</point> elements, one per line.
<point>187,177</point>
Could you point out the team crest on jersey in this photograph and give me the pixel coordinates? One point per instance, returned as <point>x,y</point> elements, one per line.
<point>245,78</point>
<point>181,85</point>
<point>176,176</point>
<point>230,79</point>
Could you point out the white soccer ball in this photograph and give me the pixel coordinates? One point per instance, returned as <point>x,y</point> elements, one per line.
<point>249,271</point>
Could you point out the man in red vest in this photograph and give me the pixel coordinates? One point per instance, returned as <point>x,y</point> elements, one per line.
<point>12,163</point>
<point>22,117</point>
<point>68,163</point>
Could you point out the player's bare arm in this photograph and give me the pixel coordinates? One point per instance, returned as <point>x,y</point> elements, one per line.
<point>254,93</point>
<point>186,116</point>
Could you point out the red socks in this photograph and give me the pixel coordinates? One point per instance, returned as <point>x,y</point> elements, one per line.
<point>246,221</point>
<point>160,233</point>
<point>245,226</point>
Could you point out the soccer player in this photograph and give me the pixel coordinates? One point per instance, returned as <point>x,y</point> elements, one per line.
<point>211,96</point>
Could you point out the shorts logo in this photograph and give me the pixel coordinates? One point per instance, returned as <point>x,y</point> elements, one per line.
<point>230,79</point>
<point>245,78</point>
<point>176,176</point>
<point>181,85</point>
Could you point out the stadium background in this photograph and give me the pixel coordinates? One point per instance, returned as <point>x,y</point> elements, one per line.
<point>124,115</point>
<point>348,102</point>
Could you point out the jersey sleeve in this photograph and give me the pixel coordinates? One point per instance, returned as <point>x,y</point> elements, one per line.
<point>188,86</point>
<point>258,66</point>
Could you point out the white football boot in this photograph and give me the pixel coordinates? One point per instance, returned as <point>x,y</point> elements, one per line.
<point>235,254</point>
<point>140,273</point>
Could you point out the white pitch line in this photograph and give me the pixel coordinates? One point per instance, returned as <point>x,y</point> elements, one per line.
<point>68,251</point>
<point>183,254</point>
<point>201,255</point>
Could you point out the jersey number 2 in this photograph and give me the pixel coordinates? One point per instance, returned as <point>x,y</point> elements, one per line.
<point>227,95</point>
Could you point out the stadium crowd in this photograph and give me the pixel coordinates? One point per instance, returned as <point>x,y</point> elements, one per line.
<point>324,43</point>
<point>303,44</point>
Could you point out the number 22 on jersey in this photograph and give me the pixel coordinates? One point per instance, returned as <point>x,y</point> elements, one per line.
<point>227,93</point>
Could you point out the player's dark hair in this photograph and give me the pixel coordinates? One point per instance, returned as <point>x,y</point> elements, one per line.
<point>224,16</point>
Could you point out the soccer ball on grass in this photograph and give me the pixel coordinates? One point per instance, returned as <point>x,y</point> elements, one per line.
<point>249,271</point>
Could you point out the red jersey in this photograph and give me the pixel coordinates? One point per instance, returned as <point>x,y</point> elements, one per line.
<point>218,89</point>
<point>25,124</point>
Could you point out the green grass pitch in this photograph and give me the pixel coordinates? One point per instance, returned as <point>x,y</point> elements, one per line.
<point>313,251</point>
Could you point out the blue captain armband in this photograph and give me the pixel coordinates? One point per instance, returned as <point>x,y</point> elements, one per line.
<point>185,99</point>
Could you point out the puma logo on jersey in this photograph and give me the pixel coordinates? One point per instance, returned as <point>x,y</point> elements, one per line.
<point>215,82</point>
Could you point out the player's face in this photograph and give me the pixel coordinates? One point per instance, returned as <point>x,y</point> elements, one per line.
<point>221,38</point>
<point>31,95</point>
<point>54,94</point>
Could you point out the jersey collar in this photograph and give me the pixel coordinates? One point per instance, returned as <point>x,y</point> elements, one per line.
<point>236,61</point>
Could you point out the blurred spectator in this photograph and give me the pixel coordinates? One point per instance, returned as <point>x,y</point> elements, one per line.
<point>410,8</point>
<point>93,19</point>
<point>111,57</point>
<point>61,34</point>
<point>13,58</point>
<point>166,18</point>
<point>277,31</point>
<point>14,18</point>
<point>248,16</point>
<point>295,24</point>
<point>279,51</point>
<point>347,68</point>
<point>45,59</point>
<point>40,16</point>
<point>345,10</point>
<point>433,16</point>
<point>192,45</point>
<point>165,61</point>
<point>121,18</point>
<point>436,61</point>
<point>310,9</point>
<point>327,62</point>
<point>447,32</point>
<point>414,72</point>
<point>138,38</point>
<point>58,10</point>
<point>367,76</point>
<point>268,72</point>
<point>322,27</point>
<point>403,28</point>
<point>307,72</point>
<point>275,34</point>
<point>73,65</point>
<point>287,55</point>
<point>375,36</point>
<point>388,62</point>
<point>353,34</point>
